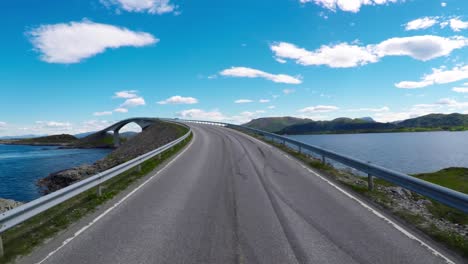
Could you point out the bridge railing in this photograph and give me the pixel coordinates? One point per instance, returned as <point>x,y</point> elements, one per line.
<point>439,193</point>
<point>26,211</point>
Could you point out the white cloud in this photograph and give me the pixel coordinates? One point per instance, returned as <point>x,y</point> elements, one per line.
<point>421,23</point>
<point>254,73</point>
<point>50,127</point>
<point>149,6</point>
<point>282,61</point>
<point>422,48</point>
<point>337,56</point>
<point>126,94</point>
<point>382,109</point>
<point>457,25</point>
<point>263,101</point>
<point>288,91</point>
<point>3,125</point>
<point>75,41</point>
<point>347,5</point>
<point>412,85</point>
<point>104,113</point>
<point>133,102</point>
<point>344,55</point>
<point>121,110</point>
<point>271,107</point>
<point>243,101</point>
<point>460,89</point>
<point>438,76</point>
<point>318,109</point>
<point>443,4</point>
<point>177,99</point>
<point>199,114</point>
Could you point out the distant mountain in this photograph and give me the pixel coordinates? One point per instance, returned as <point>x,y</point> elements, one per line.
<point>274,124</point>
<point>368,119</point>
<point>128,134</point>
<point>83,135</point>
<point>431,122</point>
<point>339,125</point>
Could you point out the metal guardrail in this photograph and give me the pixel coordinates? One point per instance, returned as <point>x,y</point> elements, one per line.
<point>441,194</point>
<point>26,211</point>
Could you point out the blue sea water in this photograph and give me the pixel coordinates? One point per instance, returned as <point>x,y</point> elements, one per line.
<point>405,152</point>
<point>22,166</point>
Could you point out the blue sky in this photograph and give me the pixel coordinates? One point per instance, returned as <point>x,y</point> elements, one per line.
<point>65,62</point>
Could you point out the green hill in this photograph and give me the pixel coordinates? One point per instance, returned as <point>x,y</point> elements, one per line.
<point>62,139</point>
<point>275,124</point>
<point>297,126</point>
<point>445,122</point>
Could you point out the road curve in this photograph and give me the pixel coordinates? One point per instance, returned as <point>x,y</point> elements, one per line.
<point>232,199</point>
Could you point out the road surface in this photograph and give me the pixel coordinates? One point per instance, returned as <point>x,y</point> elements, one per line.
<point>229,198</point>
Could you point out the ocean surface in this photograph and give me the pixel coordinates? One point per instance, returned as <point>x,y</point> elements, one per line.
<point>22,166</point>
<point>405,152</point>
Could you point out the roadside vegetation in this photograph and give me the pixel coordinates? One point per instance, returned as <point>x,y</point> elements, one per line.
<point>22,239</point>
<point>444,224</point>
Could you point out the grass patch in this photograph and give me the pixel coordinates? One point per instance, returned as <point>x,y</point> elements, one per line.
<point>453,178</point>
<point>23,238</point>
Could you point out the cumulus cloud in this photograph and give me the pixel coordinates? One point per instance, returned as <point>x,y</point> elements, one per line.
<point>3,125</point>
<point>344,55</point>
<point>460,89</point>
<point>457,25</point>
<point>214,115</point>
<point>318,109</point>
<point>347,5</point>
<point>126,94</point>
<point>121,110</point>
<point>149,6</point>
<point>263,101</point>
<point>438,76</point>
<point>75,41</point>
<point>254,73</point>
<point>104,113</point>
<point>243,101</point>
<point>179,100</point>
<point>133,102</point>
<point>365,109</point>
<point>421,23</point>
<point>336,56</point>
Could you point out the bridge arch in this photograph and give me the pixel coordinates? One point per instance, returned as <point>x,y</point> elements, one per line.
<point>115,128</point>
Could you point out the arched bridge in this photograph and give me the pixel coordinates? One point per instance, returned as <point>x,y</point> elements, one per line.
<point>115,128</point>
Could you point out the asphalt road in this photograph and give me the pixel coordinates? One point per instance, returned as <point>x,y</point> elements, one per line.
<point>229,198</point>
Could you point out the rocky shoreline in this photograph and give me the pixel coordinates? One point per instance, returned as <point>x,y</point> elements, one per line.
<point>7,204</point>
<point>151,138</point>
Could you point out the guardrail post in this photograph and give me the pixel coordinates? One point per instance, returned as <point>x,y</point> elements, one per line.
<point>300,149</point>
<point>324,161</point>
<point>100,188</point>
<point>1,247</point>
<point>139,168</point>
<point>370,182</point>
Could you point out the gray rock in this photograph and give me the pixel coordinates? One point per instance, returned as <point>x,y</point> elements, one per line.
<point>6,204</point>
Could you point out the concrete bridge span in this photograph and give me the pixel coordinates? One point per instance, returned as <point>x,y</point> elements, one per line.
<point>115,128</point>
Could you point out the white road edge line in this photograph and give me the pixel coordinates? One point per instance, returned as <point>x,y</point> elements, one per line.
<point>378,214</point>
<point>363,204</point>
<point>68,240</point>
